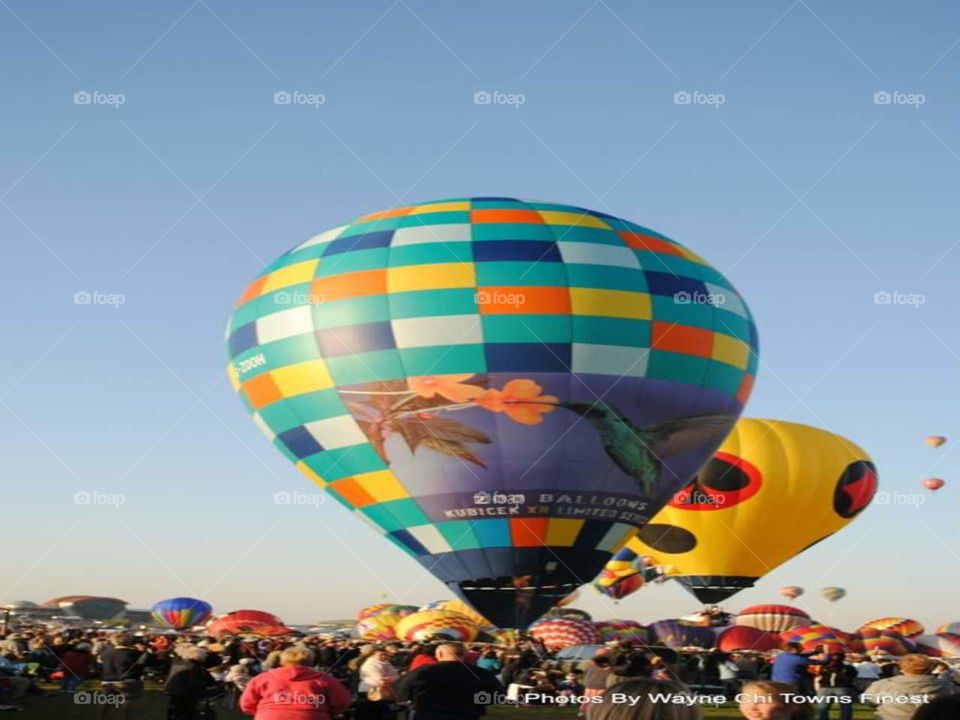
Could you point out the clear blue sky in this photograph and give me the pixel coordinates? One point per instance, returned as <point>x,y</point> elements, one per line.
<point>807,194</point>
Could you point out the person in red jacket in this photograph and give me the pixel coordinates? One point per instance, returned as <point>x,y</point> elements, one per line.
<point>76,664</point>
<point>425,656</point>
<point>294,691</point>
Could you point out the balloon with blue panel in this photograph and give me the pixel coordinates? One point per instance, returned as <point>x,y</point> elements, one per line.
<point>505,390</point>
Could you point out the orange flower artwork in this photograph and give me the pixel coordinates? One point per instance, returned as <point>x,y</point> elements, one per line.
<point>452,387</point>
<point>520,400</point>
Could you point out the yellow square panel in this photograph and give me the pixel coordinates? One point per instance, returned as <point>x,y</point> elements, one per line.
<point>431,277</point>
<point>233,376</point>
<point>730,350</point>
<point>610,303</point>
<point>306,470</point>
<point>381,485</point>
<point>458,206</point>
<point>555,217</point>
<point>691,255</point>
<point>562,532</point>
<point>301,378</point>
<point>294,274</point>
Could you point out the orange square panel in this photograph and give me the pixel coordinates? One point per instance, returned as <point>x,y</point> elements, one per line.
<point>528,532</point>
<point>682,339</point>
<point>505,216</point>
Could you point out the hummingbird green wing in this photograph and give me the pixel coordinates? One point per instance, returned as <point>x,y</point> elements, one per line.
<point>688,434</point>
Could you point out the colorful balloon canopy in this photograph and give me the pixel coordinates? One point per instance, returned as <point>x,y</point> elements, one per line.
<point>624,574</point>
<point>935,441</point>
<point>933,484</point>
<point>939,645</point>
<point>771,491</point>
<point>952,628</point>
<point>248,622</point>
<point>459,606</point>
<point>674,634</point>
<point>622,631</point>
<point>435,625</point>
<point>833,593</point>
<point>905,626</point>
<point>810,637</point>
<point>743,637</point>
<point>885,642</point>
<point>772,618</point>
<point>791,592</point>
<point>181,612</point>
<point>385,609</point>
<point>378,628</point>
<point>569,613</point>
<point>89,607</point>
<point>559,633</point>
<point>446,371</point>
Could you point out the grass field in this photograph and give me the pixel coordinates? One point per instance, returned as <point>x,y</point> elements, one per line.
<point>153,707</point>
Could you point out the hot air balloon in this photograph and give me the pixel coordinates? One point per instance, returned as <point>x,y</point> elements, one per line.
<point>743,637</point>
<point>459,606</point>
<point>791,592</point>
<point>939,645</point>
<point>248,622</point>
<point>89,607</point>
<point>952,628</point>
<point>559,633</point>
<point>906,627</point>
<point>674,634</point>
<point>772,490</point>
<point>624,574</point>
<point>378,628</point>
<point>436,624</point>
<point>622,631</point>
<point>832,640</point>
<point>440,369</point>
<point>935,441</point>
<point>885,642</point>
<point>833,593</point>
<point>181,612</point>
<point>772,618</point>
<point>933,484</point>
<point>385,609</point>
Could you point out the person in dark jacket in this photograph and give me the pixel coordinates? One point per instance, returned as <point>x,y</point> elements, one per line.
<point>627,663</point>
<point>449,689</point>
<point>837,684</point>
<point>187,683</point>
<point>120,675</point>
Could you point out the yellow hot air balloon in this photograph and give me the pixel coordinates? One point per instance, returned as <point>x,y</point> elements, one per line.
<point>935,441</point>
<point>773,489</point>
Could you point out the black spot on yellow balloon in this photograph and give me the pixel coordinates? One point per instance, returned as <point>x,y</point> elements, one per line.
<point>855,488</point>
<point>668,538</point>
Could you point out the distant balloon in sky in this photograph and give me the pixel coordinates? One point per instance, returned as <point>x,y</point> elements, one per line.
<point>935,441</point>
<point>791,592</point>
<point>771,491</point>
<point>933,484</point>
<point>505,390</point>
<point>833,593</point>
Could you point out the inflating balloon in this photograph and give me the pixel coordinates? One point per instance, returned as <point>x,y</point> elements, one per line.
<point>559,633</point>
<point>952,628</point>
<point>385,609</point>
<point>743,637</point>
<point>833,593</point>
<point>791,592</point>
<point>248,622</point>
<point>935,441</point>
<point>933,484</point>
<point>905,626</point>
<point>885,642</point>
<point>832,640</point>
<point>378,628</point>
<point>180,613</point>
<point>772,618</point>
<point>771,491</point>
<point>939,645</point>
<point>505,390</point>
<point>435,625</point>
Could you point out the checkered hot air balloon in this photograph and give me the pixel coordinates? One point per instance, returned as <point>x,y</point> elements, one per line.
<point>181,612</point>
<point>559,633</point>
<point>422,364</point>
<point>904,626</point>
<point>885,642</point>
<point>436,624</point>
<point>831,639</point>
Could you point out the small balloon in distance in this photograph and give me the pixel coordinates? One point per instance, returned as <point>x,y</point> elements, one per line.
<point>935,441</point>
<point>933,484</point>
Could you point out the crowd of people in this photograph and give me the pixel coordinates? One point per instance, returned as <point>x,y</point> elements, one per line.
<point>318,678</point>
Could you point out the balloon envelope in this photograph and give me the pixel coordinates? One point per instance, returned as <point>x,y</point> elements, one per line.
<point>744,637</point>
<point>885,642</point>
<point>933,483</point>
<point>935,440</point>
<point>559,633</point>
<point>674,634</point>
<point>833,593</point>
<point>791,592</point>
<point>939,645</point>
<point>90,607</point>
<point>773,618</point>
<point>181,612</point>
<point>248,622</point>
<point>904,626</point>
<point>436,624</point>
<point>771,491</point>
<point>446,371</point>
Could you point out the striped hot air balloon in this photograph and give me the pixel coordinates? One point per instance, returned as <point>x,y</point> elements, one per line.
<point>181,612</point>
<point>952,628</point>
<point>559,633</point>
<point>772,618</point>
<point>939,645</point>
<point>885,642</point>
<point>437,624</point>
<point>904,626</point>
<point>833,640</point>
